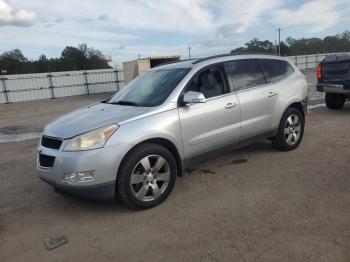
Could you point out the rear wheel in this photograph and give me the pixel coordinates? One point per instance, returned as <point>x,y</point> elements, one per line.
<point>290,131</point>
<point>335,101</point>
<point>147,176</point>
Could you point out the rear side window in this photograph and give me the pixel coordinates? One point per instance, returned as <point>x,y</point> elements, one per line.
<point>276,69</point>
<point>244,74</point>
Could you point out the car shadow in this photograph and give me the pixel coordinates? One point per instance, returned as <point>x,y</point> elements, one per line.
<point>91,204</point>
<point>207,164</point>
<point>236,156</point>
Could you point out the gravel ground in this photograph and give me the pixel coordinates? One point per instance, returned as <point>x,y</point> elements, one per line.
<point>253,204</point>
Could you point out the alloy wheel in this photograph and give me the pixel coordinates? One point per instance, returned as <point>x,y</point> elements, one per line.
<point>292,129</point>
<point>150,178</point>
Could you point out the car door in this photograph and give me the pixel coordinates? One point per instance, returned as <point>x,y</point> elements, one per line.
<point>215,123</point>
<point>256,97</point>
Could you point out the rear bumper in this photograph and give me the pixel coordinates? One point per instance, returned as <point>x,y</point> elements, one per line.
<point>96,192</point>
<point>334,88</point>
<point>304,104</point>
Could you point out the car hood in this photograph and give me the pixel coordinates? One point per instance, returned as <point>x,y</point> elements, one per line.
<point>90,118</point>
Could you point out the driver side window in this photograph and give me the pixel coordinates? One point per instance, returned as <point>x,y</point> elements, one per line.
<point>210,83</point>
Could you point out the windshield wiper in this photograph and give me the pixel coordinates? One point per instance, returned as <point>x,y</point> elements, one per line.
<point>124,103</point>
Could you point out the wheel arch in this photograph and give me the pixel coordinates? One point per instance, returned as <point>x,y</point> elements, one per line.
<point>162,142</point>
<point>300,105</point>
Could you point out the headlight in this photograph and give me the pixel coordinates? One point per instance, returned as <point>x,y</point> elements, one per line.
<point>91,140</point>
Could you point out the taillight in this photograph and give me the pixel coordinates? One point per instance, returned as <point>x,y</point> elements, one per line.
<point>319,72</point>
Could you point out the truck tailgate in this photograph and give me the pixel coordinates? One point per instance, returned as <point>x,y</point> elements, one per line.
<point>336,68</point>
<point>339,71</point>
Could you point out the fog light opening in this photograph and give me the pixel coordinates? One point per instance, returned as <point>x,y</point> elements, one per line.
<point>79,176</point>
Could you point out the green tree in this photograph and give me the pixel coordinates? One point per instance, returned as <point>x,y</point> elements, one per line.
<point>239,50</point>
<point>285,50</point>
<point>73,58</point>
<point>302,46</point>
<point>256,46</point>
<point>14,62</point>
<point>14,54</point>
<point>41,65</point>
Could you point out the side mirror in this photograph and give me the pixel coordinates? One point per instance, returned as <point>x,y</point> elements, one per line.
<point>193,98</point>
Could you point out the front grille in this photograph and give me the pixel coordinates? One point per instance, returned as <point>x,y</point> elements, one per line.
<point>46,161</point>
<point>51,142</point>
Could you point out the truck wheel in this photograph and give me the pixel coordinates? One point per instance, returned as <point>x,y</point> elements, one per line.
<point>290,131</point>
<point>335,101</point>
<point>146,176</point>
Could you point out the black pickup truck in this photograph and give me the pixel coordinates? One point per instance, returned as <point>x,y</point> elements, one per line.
<point>333,75</point>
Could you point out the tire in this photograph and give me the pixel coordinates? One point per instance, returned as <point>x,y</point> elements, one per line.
<point>146,176</point>
<point>290,131</point>
<point>335,101</point>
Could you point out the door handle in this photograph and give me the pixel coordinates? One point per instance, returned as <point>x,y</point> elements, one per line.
<point>230,105</point>
<point>271,94</point>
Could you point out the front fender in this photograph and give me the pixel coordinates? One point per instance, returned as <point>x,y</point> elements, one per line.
<point>164,125</point>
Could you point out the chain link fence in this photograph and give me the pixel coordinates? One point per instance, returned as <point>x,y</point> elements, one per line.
<point>16,88</point>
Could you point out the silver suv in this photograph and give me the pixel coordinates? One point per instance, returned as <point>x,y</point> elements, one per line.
<point>136,143</point>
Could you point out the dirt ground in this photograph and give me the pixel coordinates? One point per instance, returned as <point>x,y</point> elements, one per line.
<point>32,116</point>
<point>253,204</point>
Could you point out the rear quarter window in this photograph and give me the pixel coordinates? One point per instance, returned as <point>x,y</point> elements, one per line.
<point>244,74</point>
<point>276,70</point>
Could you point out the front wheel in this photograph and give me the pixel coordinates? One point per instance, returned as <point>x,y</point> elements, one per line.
<point>290,131</point>
<point>335,101</point>
<point>147,176</point>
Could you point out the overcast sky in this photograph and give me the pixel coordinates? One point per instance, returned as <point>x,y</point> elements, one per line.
<point>126,28</point>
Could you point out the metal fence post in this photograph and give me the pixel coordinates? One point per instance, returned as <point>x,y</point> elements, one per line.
<point>3,79</point>
<point>306,62</point>
<point>86,82</point>
<point>51,85</point>
<point>296,61</point>
<point>117,77</point>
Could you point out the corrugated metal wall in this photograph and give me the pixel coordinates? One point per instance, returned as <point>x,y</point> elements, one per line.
<point>308,61</point>
<point>15,88</point>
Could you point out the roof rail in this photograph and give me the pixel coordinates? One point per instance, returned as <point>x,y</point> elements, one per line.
<point>224,55</point>
<point>173,62</point>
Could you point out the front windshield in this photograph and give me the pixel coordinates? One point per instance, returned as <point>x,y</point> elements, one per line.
<point>150,89</point>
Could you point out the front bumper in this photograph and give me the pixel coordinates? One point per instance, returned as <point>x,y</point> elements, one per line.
<point>103,161</point>
<point>334,88</point>
<point>102,191</point>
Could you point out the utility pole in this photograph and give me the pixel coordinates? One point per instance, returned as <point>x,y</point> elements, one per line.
<point>189,51</point>
<point>275,47</point>
<point>279,41</point>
